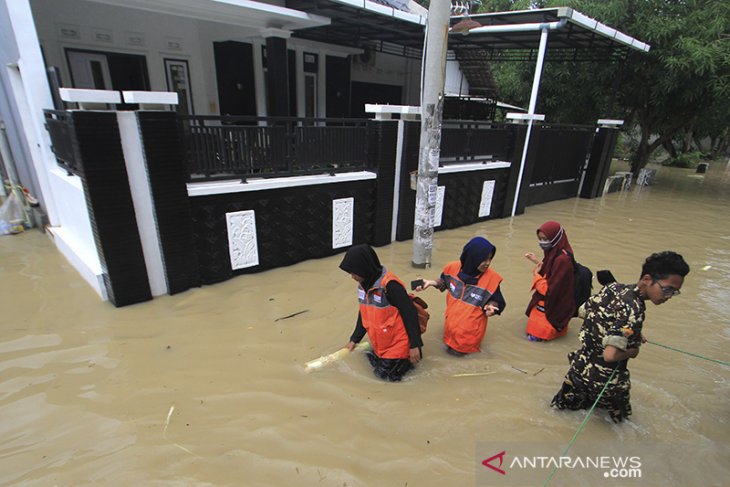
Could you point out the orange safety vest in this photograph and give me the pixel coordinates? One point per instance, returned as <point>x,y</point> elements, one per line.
<point>383,322</point>
<point>539,326</point>
<point>537,323</point>
<point>466,322</point>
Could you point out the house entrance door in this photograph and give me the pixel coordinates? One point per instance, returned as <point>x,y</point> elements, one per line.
<point>234,73</point>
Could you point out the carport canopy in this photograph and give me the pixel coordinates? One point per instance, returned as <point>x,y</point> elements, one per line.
<point>573,35</point>
<point>364,23</point>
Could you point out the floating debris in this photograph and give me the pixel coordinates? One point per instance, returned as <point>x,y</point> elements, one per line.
<point>473,374</point>
<point>324,360</point>
<point>291,315</point>
<point>164,433</point>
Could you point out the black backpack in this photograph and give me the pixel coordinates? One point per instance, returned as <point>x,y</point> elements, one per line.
<point>583,282</point>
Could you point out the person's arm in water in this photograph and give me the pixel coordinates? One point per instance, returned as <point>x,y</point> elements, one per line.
<point>399,298</point>
<point>357,334</point>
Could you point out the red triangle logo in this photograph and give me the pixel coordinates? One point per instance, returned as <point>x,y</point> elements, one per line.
<point>499,455</point>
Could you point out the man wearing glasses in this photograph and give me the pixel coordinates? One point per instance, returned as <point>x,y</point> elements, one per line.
<point>611,335</point>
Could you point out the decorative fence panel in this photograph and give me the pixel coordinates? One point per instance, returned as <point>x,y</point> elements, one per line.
<point>242,147</point>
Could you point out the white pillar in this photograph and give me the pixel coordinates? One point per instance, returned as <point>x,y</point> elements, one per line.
<point>531,111</point>
<point>32,94</point>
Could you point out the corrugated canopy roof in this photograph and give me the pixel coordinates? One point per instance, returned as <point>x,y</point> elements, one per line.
<point>580,38</point>
<point>363,23</point>
<point>359,23</point>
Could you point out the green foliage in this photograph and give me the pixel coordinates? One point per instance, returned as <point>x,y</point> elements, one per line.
<point>679,90</point>
<point>487,6</point>
<point>625,146</point>
<point>687,160</point>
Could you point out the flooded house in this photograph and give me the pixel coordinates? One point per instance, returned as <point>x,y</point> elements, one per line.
<point>179,144</point>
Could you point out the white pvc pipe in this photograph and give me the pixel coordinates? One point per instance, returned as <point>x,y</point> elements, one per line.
<point>531,111</point>
<point>530,27</point>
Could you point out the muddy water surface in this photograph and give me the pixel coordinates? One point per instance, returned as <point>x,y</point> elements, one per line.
<point>208,388</point>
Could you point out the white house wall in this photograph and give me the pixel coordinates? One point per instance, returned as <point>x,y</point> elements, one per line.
<point>455,82</point>
<point>160,36</point>
<point>9,111</point>
<point>24,81</point>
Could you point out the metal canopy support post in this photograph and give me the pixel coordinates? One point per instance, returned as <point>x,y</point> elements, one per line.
<point>531,111</point>
<point>432,102</point>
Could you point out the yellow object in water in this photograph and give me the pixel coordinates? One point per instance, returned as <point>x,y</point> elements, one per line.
<point>317,364</point>
<point>707,268</point>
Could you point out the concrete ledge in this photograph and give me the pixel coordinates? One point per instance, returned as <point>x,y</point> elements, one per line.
<point>385,112</point>
<point>473,166</point>
<point>151,97</point>
<point>609,123</point>
<point>77,95</point>
<point>262,184</point>
<point>525,117</point>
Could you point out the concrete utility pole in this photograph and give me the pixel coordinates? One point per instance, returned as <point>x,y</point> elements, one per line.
<point>432,102</point>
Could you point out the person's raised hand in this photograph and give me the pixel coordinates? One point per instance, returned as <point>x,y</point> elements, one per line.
<point>426,284</point>
<point>490,309</point>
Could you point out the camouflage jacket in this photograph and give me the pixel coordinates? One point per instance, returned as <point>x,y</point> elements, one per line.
<point>614,316</point>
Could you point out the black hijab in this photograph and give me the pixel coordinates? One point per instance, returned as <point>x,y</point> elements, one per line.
<point>362,260</point>
<point>476,251</point>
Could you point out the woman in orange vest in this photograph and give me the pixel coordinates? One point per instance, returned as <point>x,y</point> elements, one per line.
<point>474,295</point>
<point>553,303</point>
<point>387,315</point>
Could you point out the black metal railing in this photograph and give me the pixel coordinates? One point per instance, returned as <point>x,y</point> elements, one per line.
<point>242,147</point>
<point>465,141</point>
<point>60,127</point>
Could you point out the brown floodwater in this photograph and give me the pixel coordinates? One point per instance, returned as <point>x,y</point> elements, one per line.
<point>208,388</point>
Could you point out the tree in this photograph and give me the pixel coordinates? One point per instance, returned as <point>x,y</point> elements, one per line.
<point>684,81</point>
<point>675,94</point>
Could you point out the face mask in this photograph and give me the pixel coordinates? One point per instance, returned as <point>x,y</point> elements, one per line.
<point>544,244</point>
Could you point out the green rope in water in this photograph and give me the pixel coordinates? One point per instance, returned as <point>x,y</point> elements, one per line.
<point>689,353</point>
<point>575,436</point>
<point>590,411</point>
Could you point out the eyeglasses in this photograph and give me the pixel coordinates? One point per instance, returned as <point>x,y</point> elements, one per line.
<point>666,290</point>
